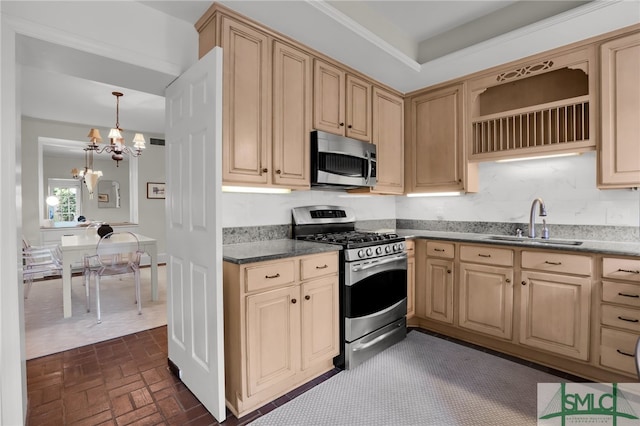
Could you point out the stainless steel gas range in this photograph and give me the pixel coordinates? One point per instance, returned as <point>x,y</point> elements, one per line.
<point>373,280</point>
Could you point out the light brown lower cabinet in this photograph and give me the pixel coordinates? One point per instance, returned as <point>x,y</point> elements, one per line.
<point>281,326</point>
<point>486,290</point>
<point>486,299</point>
<point>577,312</point>
<point>411,278</point>
<point>555,313</point>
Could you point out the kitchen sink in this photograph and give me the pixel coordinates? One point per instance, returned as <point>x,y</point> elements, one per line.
<point>526,240</point>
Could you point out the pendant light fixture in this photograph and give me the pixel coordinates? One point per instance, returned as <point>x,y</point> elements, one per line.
<point>116,146</point>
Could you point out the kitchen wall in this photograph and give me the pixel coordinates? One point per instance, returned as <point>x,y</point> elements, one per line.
<point>506,190</point>
<point>150,169</point>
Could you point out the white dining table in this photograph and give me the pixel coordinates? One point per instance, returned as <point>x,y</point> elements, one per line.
<point>75,247</point>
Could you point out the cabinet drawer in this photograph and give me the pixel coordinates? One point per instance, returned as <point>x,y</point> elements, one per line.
<point>617,316</point>
<point>410,247</point>
<point>435,249</point>
<point>260,277</point>
<point>488,255</point>
<point>317,266</point>
<point>624,294</point>
<point>557,262</point>
<point>621,269</point>
<point>617,349</point>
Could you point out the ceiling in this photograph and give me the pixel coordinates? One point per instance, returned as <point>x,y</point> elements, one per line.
<point>408,36</point>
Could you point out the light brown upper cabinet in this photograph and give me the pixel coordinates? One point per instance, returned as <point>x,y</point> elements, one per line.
<point>267,104</point>
<point>342,102</point>
<point>619,154</point>
<point>246,110</point>
<point>292,116</point>
<point>544,105</point>
<point>435,160</point>
<point>388,137</point>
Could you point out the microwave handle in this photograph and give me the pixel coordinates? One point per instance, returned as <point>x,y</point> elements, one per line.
<point>369,168</point>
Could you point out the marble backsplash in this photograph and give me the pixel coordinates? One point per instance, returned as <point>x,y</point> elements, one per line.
<point>247,234</point>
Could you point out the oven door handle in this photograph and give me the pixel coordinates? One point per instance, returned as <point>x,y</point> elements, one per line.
<point>379,263</point>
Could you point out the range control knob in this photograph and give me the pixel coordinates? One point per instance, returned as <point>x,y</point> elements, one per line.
<point>387,249</point>
<point>360,253</point>
<point>379,250</point>
<point>395,247</point>
<point>369,252</point>
<point>400,246</point>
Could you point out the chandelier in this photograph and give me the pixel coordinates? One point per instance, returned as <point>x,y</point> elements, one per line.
<point>116,146</point>
<point>88,175</point>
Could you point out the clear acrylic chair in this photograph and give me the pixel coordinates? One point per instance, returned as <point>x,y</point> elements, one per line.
<point>39,262</point>
<point>117,253</point>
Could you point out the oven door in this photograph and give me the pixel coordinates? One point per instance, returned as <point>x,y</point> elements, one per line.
<point>375,294</point>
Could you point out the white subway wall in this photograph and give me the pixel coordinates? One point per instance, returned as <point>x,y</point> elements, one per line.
<point>567,185</point>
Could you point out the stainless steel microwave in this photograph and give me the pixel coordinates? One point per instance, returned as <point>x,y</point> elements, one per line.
<point>341,163</point>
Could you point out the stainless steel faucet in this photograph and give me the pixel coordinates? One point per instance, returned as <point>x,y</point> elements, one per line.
<point>532,216</point>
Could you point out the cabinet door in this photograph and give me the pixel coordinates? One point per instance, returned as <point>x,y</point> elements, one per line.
<point>439,290</point>
<point>273,337</point>
<point>320,316</point>
<point>436,125</point>
<point>292,106</point>
<point>328,98</point>
<point>388,136</point>
<point>555,313</point>
<point>245,131</point>
<point>620,103</point>
<point>358,109</point>
<point>411,286</point>
<point>486,299</point>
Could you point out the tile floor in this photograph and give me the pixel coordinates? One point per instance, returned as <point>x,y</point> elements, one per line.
<point>126,381</point>
<point>123,381</point>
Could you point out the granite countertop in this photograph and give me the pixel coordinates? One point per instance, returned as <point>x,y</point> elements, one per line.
<point>274,249</point>
<point>587,246</point>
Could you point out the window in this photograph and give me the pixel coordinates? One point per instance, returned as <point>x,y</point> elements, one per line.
<point>69,196</point>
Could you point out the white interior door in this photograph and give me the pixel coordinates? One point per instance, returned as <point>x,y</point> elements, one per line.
<point>194,230</point>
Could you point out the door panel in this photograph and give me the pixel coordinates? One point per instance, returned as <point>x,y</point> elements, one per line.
<point>194,230</point>
<point>486,299</point>
<point>273,330</point>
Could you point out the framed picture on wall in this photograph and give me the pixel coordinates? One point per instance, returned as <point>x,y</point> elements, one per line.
<point>155,190</point>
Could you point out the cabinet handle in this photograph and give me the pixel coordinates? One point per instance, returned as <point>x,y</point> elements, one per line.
<point>629,271</point>
<point>508,280</point>
<point>484,255</point>
<point>322,267</point>
<point>265,170</point>
<point>523,283</point>
<point>448,271</point>
<point>624,353</point>
<point>552,263</point>
<point>278,172</point>
<point>272,276</point>
<point>440,250</point>
<point>349,126</point>
<point>307,297</point>
<point>627,319</point>
<point>629,295</point>
<point>341,124</point>
<point>293,301</point>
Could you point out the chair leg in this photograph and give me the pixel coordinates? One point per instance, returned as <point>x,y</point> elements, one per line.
<point>87,283</point>
<point>98,298</point>
<point>29,283</point>
<point>138,298</point>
